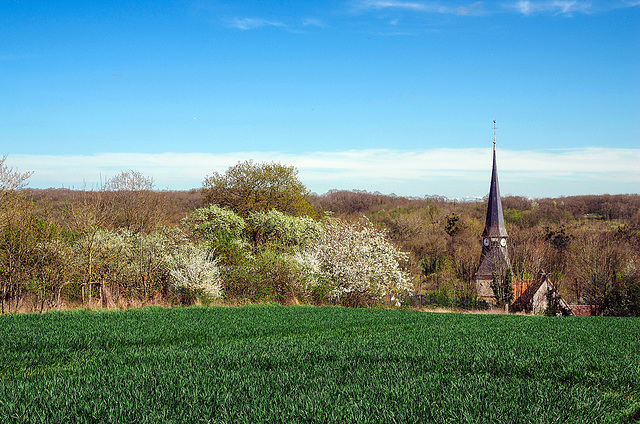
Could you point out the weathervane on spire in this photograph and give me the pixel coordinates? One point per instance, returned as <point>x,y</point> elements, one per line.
<point>494,133</point>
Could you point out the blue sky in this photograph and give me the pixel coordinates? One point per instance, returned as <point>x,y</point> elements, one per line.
<point>393,96</point>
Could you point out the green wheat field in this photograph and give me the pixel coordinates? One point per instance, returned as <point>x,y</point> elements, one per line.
<point>316,364</point>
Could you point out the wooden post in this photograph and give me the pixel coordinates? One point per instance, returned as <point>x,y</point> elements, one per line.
<point>102,297</point>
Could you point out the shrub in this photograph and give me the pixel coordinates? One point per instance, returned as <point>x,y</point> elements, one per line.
<point>216,224</point>
<point>269,277</point>
<point>222,231</point>
<point>152,251</point>
<point>194,272</point>
<point>53,269</point>
<point>470,300</point>
<point>360,263</point>
<point>438,298</point>
<point>133,265</point>
<point>463,299</point>
<point>281,229</point>
<point>107,256</point>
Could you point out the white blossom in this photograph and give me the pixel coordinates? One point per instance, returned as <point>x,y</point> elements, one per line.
<point>194,269</point>
<point>357,259</point>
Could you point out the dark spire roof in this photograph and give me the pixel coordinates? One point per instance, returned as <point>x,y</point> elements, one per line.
<point>494,225</point>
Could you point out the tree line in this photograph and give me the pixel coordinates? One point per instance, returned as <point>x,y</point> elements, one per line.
<point>251,236</point>
<point>255,233</point>
<point>588,245</point>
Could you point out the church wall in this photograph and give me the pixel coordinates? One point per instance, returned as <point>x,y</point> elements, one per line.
<point>540,301</point>
<point>484,290</point>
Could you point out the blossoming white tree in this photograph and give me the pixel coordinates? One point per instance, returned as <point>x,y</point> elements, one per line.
<point>194,269</point>
<point>358,262</point>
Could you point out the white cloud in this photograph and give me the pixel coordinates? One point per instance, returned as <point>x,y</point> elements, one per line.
<point>525,7</point>
<point>449,172</point>
<point>252,23</point>
<point>380,4</point>
<point>313,22</point>
<point>472,9</point>
<point>406,5</point>
<point>563,7</point>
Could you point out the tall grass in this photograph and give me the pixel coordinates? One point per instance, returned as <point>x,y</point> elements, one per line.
<point>308,364</point>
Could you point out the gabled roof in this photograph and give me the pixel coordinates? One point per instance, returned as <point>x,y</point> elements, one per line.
<point>494,224</point>
<point>525,290</point>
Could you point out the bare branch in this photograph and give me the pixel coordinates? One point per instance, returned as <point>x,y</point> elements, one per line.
<point>11,179</point>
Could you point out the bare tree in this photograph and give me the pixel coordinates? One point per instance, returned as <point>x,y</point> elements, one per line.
<point>15,238</point>
<point>129,181</point>
<point>527,251</point>
<point>135,205</point>
<point>597,259</point>
<point>11,180</point>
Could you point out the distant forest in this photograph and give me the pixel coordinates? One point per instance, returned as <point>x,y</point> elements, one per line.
<point>589,245</point>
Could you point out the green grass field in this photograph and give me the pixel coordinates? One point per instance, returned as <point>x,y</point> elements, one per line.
<point>310,364</point>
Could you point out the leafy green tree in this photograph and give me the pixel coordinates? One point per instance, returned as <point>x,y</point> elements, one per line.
<point>248,187</point>
<point>222,231</point>
<point>215,224</point>
<point>452,224</point>
<point>278,229</point>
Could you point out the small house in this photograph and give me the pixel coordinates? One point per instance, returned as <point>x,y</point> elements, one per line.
<point>538,295</point>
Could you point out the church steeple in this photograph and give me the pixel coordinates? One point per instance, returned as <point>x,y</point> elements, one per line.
<point>494,258</point>
<point>494,223</point>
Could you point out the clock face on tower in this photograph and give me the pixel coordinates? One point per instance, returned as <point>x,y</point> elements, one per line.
<point>485,241</point>
<point>503,242</point>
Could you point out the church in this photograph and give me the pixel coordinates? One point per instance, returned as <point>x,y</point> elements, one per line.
<point>530,295</point>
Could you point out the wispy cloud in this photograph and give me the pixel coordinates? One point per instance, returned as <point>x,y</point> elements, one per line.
<point>449,172</point>
<point>313,22</point>
<point>470,9</point>
<point>246,24</point>
<point>525,7</point>
<point>253,23</point>
<point>476,8</point>
<point>404,5</point>
<point>563,7</point>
